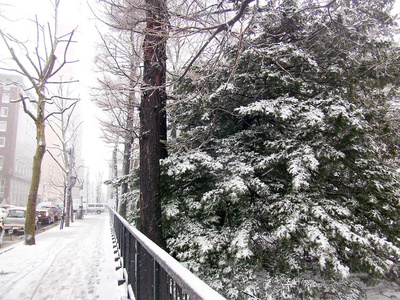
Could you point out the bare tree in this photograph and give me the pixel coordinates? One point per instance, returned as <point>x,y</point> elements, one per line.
<point>119,95</point>
<point>65,128</point>
<point>39,65</point>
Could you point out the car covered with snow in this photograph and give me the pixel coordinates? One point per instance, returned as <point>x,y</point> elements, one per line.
<point>15,219</point>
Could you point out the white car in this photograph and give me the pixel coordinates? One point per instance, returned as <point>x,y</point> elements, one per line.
<point>15,219</point>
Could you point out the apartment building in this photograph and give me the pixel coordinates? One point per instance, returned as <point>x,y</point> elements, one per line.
<point>17,142</point>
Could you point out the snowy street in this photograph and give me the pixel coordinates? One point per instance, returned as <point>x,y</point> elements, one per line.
<point>73,263</point>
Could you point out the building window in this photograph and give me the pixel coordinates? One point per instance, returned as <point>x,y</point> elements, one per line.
<point>5,98</point>
<point>3,125</point>
<point>2,141</point>
<point>4,112</point>
<point>1,162</point>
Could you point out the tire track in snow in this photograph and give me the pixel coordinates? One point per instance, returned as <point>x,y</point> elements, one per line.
<point>51,265</point>
<point>27,271</point>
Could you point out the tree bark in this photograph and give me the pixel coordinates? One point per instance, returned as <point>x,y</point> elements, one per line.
<point>30,222</point>
<point>153,119</point>
<point>129,135</point>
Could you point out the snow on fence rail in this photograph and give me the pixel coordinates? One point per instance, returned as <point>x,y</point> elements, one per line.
<point>149,272</point>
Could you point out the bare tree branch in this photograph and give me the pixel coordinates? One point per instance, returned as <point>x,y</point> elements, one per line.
<point>72,105</point>
<point>218,29</point>
<point>57,162</point>
<point>16,59</point>
<point>26,110</point>
<point>65,55</point>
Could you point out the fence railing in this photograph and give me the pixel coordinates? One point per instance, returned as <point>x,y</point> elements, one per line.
<point>149,272</point>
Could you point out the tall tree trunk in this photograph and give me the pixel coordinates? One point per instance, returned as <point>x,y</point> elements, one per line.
<point>71,182</point>
<point>153,120</point>
<point>30,222</point>
<point>128,140</point>
<point>68,210</point>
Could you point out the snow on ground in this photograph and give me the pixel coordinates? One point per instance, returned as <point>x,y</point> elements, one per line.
<point>73,263</point>
<point>78,263</point>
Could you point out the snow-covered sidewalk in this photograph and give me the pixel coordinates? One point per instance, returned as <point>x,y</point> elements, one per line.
<point>73,263</point>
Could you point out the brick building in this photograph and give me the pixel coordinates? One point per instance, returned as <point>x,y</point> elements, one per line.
<point>17,142</point>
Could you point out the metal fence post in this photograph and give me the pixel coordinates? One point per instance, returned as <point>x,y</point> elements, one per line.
<point>145,275</point>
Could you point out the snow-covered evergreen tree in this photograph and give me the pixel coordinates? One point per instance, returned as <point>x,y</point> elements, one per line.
<point>285,165</point>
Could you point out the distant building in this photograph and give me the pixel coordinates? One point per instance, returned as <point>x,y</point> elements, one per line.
<point>17,142</point>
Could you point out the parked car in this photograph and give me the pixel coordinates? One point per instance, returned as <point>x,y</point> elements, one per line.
<point>15,219</point>
<point>57,212</point>
<point>96,208</point>
<point>3,213</point>
<point>45,215</point>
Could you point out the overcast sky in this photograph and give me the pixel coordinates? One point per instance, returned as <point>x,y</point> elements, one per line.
<point>73,14</point>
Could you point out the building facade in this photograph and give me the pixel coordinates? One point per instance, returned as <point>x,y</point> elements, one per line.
<point>17,142</point>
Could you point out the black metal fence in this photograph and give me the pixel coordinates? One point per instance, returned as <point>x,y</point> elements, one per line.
<point>149,272</point>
